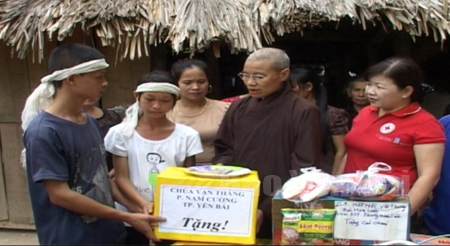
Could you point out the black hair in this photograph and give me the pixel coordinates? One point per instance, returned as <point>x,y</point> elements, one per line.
<point>157,76</point>
<point>180,66</point>
<point>403,72</point>
<point>354,79</point>
<point>301,76</point>
<point>70,55</point>
<point>351,79</point>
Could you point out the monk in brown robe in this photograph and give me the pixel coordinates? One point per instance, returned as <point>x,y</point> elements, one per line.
<point>272,131</point>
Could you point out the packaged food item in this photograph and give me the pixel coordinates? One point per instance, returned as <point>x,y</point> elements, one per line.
<point>377,186</point>
<point>291,219</point>
<point>344,185</point>
<point>310,185</point>
<point>307,226</point>
<point>368,185</point>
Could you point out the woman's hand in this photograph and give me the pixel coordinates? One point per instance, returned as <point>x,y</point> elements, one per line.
<point>259,220</point>
<point>428,160</point>
<point>339,146</point>
<point>147,208</point>
<point>144,223</point>
<point>339,169</point>
<point>112,174</point>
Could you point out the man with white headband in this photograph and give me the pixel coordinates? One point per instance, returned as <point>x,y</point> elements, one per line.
<point>147,142</point>
<point>71,193</point>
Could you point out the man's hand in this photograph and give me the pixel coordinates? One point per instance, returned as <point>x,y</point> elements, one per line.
<point>143,223</point>
<point>259,220</point>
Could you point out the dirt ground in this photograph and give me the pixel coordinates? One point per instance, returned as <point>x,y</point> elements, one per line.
<point>18,237</point>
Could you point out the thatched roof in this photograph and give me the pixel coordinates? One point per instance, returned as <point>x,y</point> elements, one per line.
<point>193,25</point>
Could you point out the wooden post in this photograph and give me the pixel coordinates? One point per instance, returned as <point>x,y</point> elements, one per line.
<point>403,44</point>
<point>158,57</point>
<point>372,46</point>
<point>3,199</point>
<point>214,70</point>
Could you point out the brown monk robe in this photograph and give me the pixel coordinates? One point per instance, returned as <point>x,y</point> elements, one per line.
<point>272,134</point>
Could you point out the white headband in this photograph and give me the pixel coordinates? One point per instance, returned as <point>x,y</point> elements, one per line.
<point>42,96</point>
<point>85,67</point>
<point>159,87</point>
<point>134,111</point>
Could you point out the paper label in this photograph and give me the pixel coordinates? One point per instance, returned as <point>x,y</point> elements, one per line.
<point>206,210</point>
<point>371,220</point>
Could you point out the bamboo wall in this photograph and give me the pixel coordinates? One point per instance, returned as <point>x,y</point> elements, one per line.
<point>16,78</point>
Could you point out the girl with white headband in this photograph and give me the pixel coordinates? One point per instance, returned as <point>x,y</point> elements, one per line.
<point>146,142</point>
<point>71,193</point>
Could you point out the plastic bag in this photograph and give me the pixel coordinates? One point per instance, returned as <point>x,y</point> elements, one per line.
<point>368,185</point>
<point>310,185</point>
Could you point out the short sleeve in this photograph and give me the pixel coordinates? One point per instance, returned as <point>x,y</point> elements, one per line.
<point>115,142</point>
<point>45,156</point>
<point>114,117</point>
<point>431,131</point>
<point>337,121</point>
<point>194,144</point>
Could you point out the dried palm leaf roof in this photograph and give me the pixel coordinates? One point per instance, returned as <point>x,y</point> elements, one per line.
<point>193,25</point>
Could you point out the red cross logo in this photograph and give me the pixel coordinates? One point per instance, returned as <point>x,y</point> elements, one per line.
<point>387,128</point>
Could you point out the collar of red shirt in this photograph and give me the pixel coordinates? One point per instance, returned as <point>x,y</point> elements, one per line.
<point>408,110</point>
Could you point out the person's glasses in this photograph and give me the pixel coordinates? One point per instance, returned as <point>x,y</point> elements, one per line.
<point>256,77</point>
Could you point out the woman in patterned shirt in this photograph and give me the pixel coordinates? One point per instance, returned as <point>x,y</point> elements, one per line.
<point>307,84</point>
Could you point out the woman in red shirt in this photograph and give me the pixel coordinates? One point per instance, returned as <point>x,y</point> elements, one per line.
<point>395,130</point>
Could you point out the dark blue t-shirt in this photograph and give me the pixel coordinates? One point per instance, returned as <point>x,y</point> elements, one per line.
<point>58,149</point>
<point>437,215</point>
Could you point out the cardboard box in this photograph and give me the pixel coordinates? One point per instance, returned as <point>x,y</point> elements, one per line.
<point>206,209</point>
<point>277,218</point>
<point>258,242</point>
<point>356,222</point>
<point>197,243</point>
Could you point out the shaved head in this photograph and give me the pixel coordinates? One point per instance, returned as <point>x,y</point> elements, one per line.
<point>278,58</point>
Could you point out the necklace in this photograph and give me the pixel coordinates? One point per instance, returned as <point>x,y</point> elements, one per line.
<point>190,116</point>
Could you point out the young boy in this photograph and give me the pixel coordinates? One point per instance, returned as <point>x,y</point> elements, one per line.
<point>71,193</point>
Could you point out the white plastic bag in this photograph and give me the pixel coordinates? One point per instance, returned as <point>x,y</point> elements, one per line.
<point>310,185</point>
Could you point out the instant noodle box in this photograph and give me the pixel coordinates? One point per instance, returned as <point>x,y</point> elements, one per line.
<point>355,222</point>
<point>198,209</point>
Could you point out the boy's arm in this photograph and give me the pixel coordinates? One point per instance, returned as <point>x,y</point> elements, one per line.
<point>61,195</point>
<point>122,199</point>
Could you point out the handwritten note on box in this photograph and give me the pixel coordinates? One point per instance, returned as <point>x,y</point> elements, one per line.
<point>206,210</point>
<point>381,221</point>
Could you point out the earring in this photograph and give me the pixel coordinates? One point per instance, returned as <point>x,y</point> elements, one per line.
<point>210,89</point>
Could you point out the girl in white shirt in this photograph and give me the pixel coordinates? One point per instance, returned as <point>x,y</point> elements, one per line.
<point>146,142</point>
